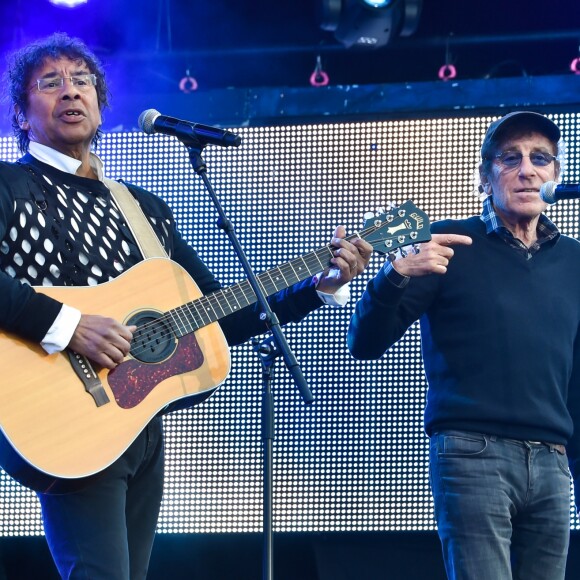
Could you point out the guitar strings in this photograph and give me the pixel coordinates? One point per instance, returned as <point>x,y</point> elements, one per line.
<point>156,328</point>
<point>227,300</point>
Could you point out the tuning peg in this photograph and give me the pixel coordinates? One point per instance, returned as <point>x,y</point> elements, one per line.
<point>396,254</point>
<point>402,252</point>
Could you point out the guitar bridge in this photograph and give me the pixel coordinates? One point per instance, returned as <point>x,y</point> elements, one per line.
<point>84,370</point>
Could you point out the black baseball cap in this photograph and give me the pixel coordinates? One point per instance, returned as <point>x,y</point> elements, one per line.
<point>518,119</point>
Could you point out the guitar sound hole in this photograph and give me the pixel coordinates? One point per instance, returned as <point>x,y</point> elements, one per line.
<point>154,340</point>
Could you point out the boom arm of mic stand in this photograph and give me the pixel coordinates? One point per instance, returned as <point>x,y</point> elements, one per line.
<point>195,148</point>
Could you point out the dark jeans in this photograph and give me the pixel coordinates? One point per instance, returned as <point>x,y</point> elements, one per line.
<point>502,507</point>
<point>106,530</point>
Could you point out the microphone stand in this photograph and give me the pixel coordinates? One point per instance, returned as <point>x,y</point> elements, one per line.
<point>268,352</point>
<point>274,346</point>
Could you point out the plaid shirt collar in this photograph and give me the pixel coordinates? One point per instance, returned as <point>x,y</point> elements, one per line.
<point>547,230</point>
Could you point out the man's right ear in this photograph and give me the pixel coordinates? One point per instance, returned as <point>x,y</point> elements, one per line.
<point>484,187</point>
<point>22,121</point>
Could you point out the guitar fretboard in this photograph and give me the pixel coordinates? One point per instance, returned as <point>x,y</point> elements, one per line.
<point>207,309</point>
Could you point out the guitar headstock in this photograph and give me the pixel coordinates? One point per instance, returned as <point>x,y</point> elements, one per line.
<point>401,226</point>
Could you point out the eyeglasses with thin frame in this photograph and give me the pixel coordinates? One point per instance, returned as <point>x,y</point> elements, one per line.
<point>52,84</point>
<point>513,159</point>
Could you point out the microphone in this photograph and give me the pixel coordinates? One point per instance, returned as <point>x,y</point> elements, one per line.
<point>152,121</point>
<point>551,192</point>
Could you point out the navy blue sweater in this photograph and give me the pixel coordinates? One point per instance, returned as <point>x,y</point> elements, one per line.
<point>500,339</point>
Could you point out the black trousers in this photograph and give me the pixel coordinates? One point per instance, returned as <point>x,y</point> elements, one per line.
<point>106,530</point>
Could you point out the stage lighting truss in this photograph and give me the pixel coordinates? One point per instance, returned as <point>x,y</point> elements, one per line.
<point>370,23</point>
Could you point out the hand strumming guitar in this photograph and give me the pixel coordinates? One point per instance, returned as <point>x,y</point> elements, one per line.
<point>102,339</point>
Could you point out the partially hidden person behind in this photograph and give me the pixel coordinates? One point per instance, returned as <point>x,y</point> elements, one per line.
<point>498,300</point>
<point>60,226</point>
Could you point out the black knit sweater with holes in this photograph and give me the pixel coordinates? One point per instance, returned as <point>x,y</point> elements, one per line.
<point>58,229</point>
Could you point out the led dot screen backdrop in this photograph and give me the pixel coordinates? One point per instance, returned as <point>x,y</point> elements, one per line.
<point>356,459</point>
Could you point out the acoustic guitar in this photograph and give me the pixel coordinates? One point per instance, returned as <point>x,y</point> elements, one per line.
<point>62,420</point>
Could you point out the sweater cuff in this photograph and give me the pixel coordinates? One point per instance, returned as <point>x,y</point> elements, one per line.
<point>38,316</point>
<point>398,280</point>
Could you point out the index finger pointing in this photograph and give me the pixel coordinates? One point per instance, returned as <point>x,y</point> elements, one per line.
<point>451,239</point>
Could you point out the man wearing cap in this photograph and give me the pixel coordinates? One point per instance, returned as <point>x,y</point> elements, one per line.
<point>498,299</point>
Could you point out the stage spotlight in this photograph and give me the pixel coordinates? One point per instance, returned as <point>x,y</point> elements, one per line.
<point>378,3</point>
<point>370,23</point>
<point>68,3</point>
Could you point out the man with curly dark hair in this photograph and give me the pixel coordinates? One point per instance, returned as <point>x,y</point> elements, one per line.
<point>23,63</point>
<point>60,226</point>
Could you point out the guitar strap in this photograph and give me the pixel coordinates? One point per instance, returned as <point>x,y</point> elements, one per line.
<point>150,247</point>
<point>145,238</point>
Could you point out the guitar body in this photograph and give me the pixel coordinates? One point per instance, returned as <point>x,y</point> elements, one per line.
<point>49,422</point>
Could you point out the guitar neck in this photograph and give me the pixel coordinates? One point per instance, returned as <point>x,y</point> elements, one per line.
<point>207,309</point>
<point>404,225</point>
